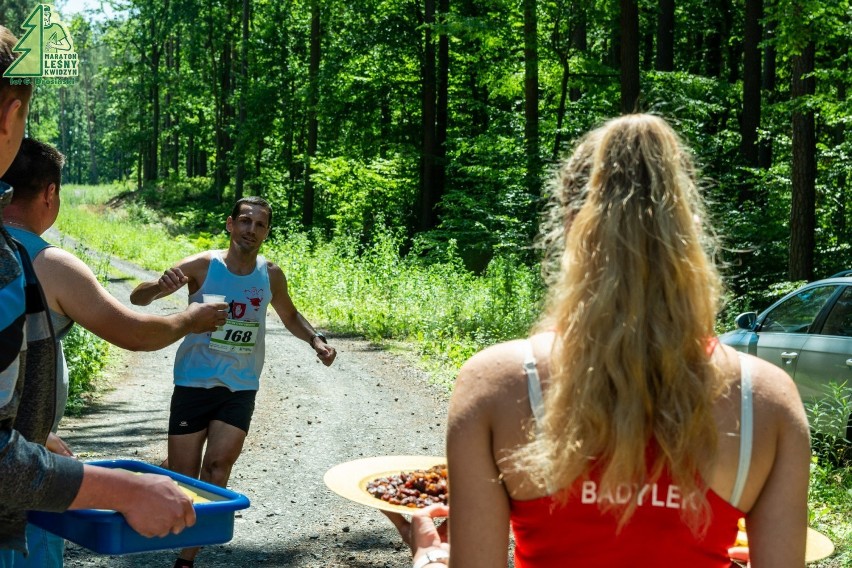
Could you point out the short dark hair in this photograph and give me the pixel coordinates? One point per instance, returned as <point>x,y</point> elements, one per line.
<point>36,166</point>
<point>7,56</point>
<point>251,200</point>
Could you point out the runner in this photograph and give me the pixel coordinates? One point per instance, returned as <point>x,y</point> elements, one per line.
<point>217,375</point>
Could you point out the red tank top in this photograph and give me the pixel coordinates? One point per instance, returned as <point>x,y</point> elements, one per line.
<point>548,534</point>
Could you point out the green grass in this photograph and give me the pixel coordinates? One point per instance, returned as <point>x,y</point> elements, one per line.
<point>829,504</point>
<point>133,233</point>
<point>437,309</point>
<point>444,310</point>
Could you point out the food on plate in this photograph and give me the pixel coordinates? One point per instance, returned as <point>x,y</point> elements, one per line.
<point>414,489</point>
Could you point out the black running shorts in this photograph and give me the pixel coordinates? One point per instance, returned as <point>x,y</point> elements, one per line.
<point>193,409</point>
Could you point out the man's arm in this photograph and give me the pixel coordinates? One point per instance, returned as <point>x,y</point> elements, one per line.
<point>35,479</point>
<point>293,320</point>
<point>71,288</point>
<point>152,504</point>
<point>189,272</point>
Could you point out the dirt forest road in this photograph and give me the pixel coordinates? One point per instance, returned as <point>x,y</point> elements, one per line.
<point>308,418</point>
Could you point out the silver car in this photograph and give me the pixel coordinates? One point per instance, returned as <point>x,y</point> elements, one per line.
<point>808,333</point>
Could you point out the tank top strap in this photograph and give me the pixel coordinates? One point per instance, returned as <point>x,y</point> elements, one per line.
<point>746,430</point>
<point>533,385</point>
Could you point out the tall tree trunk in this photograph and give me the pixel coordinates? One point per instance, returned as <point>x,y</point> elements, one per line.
<point>531,96</point>
<point>168,124</point>
<point>224,116</point>
<point>442,114</point>
<point>152,170</point>
<point>629,56</point>
<point>478,93</point>
<point>154,137</point>
<point>90,128</point>
<point>665,35</point>
<point>63,121</point>
<point>764,151</point>
<point>139,162</point>
<point>313,120</point>
<point>713,39</point>
<point>175,120</point>
<point>733,43</point>
<point>385,122</point>
<point>803,209</point>
<point>427,215</point>
<point>839,136</point>
<point>242,131</point>
<point>579,40</point>
<point>750,122</point>
<point>190,155</point>
<point>560,112</point>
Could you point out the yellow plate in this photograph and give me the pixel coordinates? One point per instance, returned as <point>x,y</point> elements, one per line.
<point>818,547</point>
<point>350,479</point>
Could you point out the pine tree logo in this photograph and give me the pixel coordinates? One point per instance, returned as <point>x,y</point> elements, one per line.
<point>45,50</point>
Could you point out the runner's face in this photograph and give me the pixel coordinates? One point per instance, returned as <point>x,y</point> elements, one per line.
<point>250,228</point>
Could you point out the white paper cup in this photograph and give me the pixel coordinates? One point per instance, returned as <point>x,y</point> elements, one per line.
<point>212,299</point>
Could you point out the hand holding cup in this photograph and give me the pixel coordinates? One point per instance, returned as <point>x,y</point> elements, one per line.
<point>216,299</point>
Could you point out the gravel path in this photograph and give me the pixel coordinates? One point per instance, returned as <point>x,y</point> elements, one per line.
<point>308,418</point>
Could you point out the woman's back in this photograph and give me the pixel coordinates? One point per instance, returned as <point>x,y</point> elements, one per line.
<point>491,402</point>
<point>636,393</point>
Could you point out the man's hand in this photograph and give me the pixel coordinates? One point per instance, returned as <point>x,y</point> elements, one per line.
<point>206,316</point>
<point>326,353</point>
<point>157,507</point>
<point>172,280</point>
<point>58,446</point>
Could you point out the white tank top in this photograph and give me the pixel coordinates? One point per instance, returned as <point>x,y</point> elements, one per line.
<point>232,356</point>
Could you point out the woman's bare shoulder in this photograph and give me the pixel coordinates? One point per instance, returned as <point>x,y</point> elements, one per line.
<point>775,393</point>
<point>495,376</point>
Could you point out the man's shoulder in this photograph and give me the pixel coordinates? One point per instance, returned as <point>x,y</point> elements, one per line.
<point>201,259</point>
<point>275,272</point>
<point>58,260</point>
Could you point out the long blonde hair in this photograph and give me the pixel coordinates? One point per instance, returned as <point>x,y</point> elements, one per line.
<point>633,306</point>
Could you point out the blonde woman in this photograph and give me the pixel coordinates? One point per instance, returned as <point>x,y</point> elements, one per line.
<point>623,433</point>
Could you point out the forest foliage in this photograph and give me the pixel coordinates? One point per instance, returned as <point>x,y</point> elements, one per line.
<point>441,121</point>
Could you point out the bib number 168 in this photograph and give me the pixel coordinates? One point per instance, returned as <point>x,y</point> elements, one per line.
<point>238,335</point>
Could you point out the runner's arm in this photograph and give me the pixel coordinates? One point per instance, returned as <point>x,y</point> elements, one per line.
<point>190,271</point>
<point>293,320</point>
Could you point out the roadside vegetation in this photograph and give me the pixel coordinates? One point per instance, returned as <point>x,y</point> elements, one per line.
<point>427,304</point>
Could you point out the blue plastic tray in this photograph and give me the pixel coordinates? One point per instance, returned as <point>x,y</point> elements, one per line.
<point>106,532</point>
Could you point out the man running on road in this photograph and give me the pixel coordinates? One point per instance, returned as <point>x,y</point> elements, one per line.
<point>217,375</point>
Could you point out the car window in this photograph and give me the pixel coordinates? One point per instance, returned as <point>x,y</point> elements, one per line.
<point>797,313</point>
<point>839,320</point>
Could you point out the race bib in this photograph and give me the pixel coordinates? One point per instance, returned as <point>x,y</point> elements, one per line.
<point>235,336</point>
